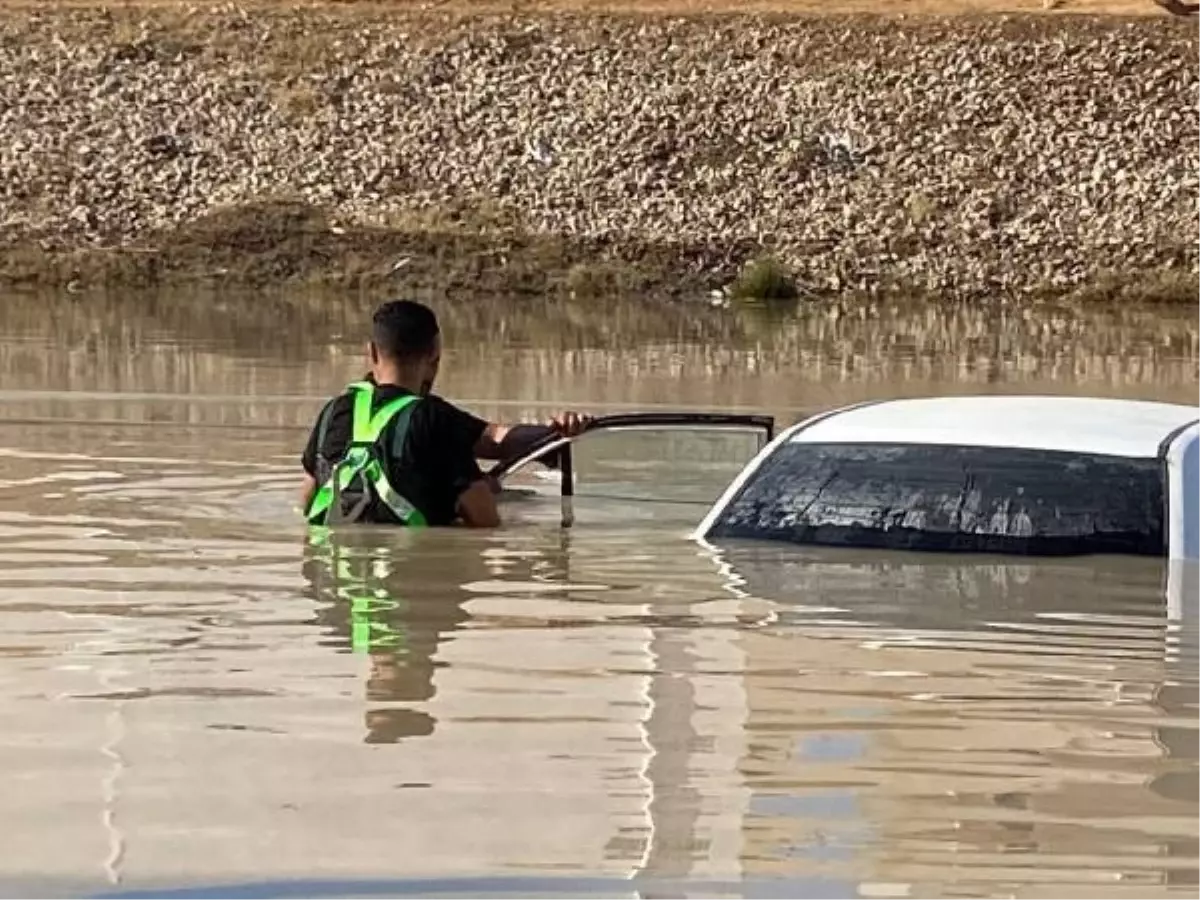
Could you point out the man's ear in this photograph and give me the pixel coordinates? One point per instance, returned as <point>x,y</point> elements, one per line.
<point>372,353</point>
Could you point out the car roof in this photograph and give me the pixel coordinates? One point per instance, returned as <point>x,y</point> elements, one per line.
<point>1131,428</point>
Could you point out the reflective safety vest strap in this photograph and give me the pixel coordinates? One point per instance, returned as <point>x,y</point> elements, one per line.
<point>365,431</point>
<point>367,427</point>
<point>400,507</point>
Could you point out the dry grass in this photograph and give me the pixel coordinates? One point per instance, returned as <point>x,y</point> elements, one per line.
<point>605,278</point>
<point>764,280</point>
<point>286,244</point>
<point>1160,286</point>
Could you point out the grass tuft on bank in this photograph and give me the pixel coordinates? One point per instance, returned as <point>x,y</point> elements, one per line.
<point>764,280</point>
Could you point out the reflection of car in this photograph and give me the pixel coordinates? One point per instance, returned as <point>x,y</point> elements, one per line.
<point>836,587</point>
<point>1026,475</point>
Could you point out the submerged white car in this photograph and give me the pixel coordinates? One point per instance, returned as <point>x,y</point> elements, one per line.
<point>1001,474</point>
<point>1028,475</point>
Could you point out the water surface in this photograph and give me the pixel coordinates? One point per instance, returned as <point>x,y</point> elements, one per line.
<point>199,697</point>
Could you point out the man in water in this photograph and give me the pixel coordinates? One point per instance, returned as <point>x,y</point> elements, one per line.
<point>388,450</point>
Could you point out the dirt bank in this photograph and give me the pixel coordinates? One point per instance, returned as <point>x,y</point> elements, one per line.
<point>597,153</point>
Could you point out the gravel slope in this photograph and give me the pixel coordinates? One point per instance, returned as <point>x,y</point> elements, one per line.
<point>965,156</point>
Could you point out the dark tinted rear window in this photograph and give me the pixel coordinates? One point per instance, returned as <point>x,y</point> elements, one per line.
<point>951,498</point>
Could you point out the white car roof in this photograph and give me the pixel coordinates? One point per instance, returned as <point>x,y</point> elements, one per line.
<point>1131,428</point>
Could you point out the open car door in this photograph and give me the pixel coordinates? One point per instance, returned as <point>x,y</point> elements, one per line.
<point>638,465</point>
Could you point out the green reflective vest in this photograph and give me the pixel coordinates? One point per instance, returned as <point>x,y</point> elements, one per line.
<point>362,471</point>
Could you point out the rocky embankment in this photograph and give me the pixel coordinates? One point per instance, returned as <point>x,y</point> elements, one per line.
<point>968,157</point>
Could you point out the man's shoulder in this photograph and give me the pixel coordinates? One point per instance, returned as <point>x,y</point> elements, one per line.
<point>437,413</point>
<point>435,403</point>
<point>344,396</point>
<point>330,406</point>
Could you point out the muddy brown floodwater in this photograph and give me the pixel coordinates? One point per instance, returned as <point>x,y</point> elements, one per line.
<point>197,698</point>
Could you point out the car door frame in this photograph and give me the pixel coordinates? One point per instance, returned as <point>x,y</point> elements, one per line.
<point>638,421</point>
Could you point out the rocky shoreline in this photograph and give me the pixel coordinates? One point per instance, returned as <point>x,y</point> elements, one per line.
<point>968,158</point>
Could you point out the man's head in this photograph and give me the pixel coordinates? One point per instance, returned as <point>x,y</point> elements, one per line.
<point>405,343</point>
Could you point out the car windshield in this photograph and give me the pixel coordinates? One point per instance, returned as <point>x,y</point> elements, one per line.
<point>951,498</point>
<point>636,473</point>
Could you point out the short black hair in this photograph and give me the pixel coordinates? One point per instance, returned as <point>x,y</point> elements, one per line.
<point>404,329</point>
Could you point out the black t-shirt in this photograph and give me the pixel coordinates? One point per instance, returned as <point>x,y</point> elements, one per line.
<point>437,459</point>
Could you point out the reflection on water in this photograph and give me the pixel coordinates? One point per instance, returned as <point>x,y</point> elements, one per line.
<point>597,355</point>
<point>199,694</point>
<point>369,595</point>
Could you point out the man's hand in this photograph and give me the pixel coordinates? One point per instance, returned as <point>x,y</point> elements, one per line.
<point>570,424</point>
<point>477,505</point>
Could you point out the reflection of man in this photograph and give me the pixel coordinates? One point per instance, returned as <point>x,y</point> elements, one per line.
<point>390,451</point>
<point>386,614</point>
<point>396,608</point>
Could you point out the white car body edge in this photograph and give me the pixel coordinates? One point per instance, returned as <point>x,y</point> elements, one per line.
<point>1182,456</point>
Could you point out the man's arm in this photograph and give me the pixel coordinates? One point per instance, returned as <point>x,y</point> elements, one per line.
<point>442,440</point>
<point>506,441</point>
<point>490,443</point>
<point>312,450</point>
<point>456,440</point>
<point>306,492</point>
<point>309,461</point>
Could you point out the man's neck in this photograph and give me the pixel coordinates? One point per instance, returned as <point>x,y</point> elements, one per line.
<point>389,377</point>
